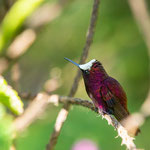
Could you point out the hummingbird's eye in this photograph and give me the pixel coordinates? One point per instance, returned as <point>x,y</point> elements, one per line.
<point>86,71</point>
<point>95,66</point>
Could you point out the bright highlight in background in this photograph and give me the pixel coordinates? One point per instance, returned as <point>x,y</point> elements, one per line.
<point>85,144</point>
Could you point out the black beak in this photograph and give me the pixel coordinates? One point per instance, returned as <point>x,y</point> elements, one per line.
<point>72,62</point>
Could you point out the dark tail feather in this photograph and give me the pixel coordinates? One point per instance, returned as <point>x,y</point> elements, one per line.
<point>121,115</point>
<point>120,112</point>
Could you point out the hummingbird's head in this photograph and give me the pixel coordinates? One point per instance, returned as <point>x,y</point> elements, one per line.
<point>93,71</point>
<point>91,67</point>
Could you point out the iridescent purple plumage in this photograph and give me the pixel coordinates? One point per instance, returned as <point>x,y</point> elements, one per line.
<point>106,92</point>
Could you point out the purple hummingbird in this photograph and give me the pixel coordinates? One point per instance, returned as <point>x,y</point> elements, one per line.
<point>106,92</point>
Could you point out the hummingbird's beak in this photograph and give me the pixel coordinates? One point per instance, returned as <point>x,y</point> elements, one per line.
<point>72,62</point>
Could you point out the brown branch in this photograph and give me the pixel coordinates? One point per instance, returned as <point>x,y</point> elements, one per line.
<point>122,132</point>
<point>32,112</point>
<point>64,111</point>
<point>127,140</point>
<point>89,40</point>
<point>40,103</point>
<point>23,41</point>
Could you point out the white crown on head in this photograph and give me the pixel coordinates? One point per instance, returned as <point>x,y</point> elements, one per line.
<point>87,65</point>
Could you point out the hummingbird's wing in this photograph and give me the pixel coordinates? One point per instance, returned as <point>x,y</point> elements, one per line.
<point>107,96</point>
<point>115,98</point>
<point>117,101</point>
<point>116,91</point>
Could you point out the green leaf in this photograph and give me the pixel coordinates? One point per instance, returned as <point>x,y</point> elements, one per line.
<point>15,18</point>
<point>10,98</point>
<point>6,130</point>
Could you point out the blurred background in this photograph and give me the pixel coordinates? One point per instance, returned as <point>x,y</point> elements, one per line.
<point>35,36</point>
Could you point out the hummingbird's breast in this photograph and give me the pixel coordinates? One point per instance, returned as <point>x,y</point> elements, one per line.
<point>93,86</point>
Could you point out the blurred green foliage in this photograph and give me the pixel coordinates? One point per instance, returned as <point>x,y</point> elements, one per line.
<point>118,44</point>
<point>6,130</point>
<point>14,19</point>
<point>10,98</point>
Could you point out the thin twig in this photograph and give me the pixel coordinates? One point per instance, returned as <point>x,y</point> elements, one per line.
<point>122,132</point>
<point>127,140</point>
<point>64,111</point>
<point>89,40</point>
<point>14,52</point>
<point>31,113</point>
<point>41,102</point>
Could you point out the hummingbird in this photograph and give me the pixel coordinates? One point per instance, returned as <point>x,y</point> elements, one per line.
<point>106,92</point>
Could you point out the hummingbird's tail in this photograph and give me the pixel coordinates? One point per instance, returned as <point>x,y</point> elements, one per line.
<point>124,117</point>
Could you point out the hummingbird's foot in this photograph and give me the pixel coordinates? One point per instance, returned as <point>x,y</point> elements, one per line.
<point>110,112</point>
<point>103,112</point>
<point>96,109</point>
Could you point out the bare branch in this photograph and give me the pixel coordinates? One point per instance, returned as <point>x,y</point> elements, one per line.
<point>89,40</point>
<point>31,113</point>
<point>39,104</point>
<point>43,99</point>
<point>122,132</point>
<point>64,111</point>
